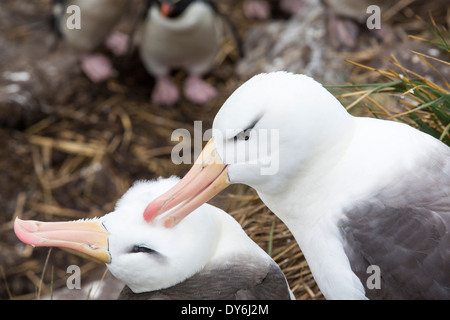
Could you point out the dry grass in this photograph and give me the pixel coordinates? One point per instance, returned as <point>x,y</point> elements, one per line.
<point>80,173</point>
<point>422,103</point>
<point>89,146</point>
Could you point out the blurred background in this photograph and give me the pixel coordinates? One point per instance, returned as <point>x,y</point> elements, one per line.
<point>69,148</point>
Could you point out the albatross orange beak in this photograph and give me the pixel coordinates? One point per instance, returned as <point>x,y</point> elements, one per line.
<point>88,237</point>
<point>206,178</point>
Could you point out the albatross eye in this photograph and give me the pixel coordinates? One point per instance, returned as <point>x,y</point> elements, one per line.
<point>144,249</point>
<point>243,135</point>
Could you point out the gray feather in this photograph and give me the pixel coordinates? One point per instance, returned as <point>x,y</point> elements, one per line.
<point>239,280</point>
<point>405,230</point>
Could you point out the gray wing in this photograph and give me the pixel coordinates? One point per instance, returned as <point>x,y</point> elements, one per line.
<point>231,281</point>
<point>404,230</point>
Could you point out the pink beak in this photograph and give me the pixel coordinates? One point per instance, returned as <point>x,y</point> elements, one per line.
<point>206,178</point>
<point>88,237</point>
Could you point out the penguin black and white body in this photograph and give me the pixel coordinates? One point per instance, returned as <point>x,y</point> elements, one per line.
<point>207,256</point>
<point>184,34</point>
<point>97,19</point>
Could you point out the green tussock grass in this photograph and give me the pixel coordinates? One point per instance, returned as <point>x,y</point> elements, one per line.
<point>425,104</point>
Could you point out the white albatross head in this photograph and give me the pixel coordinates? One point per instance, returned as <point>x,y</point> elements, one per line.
<point>269,131</point>
<point>145,256</point>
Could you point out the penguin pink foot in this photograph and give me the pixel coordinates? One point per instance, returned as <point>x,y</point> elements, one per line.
<point>97,67</point>
<point>165,92</point>
<point>257,9</point>
<point>198,91</point>
<point>118,42</point>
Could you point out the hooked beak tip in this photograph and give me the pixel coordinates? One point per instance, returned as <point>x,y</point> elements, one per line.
<point>29,226</point>
<point>87,237</point>
<point>207,177</point>
<point>151,211</point>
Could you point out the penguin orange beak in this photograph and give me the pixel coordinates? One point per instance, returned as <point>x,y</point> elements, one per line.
<point>207,177</point>
<point>166,9</point>
<point>88,237</point>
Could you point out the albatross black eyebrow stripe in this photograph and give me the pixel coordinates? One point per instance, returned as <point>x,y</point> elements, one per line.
<point>141,248</point>
<point>254,123</point>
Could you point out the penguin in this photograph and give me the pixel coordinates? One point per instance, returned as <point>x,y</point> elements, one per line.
<point>85,25</point>
<point>185,34</point>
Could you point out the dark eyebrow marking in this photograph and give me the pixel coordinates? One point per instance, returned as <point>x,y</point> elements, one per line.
<point>253,124</point>
<point>142,248</point>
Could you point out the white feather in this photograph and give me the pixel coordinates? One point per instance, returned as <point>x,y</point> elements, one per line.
<point>328,160</point>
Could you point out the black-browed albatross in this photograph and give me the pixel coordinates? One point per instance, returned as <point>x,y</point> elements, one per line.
<point>367,200</point>
<point>207,256</point>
